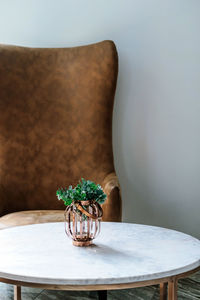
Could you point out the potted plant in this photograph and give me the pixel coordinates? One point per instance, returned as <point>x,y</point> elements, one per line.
<point>83,211</point>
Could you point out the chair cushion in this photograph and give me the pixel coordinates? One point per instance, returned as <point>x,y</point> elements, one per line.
<point>31,217</point>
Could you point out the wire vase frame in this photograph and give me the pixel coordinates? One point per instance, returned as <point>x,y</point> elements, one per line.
<point>82,221</point>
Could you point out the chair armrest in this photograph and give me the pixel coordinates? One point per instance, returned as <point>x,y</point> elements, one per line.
<point>112,208</point>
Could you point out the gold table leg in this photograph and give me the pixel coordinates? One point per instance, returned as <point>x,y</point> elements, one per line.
<point>163,291</point>
<point>17,292</point>
<point>172,289</point>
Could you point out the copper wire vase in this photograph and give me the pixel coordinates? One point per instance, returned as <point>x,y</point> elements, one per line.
<point>82,221</point>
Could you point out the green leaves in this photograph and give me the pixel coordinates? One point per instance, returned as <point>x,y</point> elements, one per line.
<point>66,195</point>
<point>85,190</point>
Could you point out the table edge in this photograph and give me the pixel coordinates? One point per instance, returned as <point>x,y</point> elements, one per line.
<point>89,287</point>
<point>61,283</point>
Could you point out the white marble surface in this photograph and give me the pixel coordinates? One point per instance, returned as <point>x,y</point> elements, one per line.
<point>122,253</point>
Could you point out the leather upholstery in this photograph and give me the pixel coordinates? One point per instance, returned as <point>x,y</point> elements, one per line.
<point>56,121</point>
<point>31,217</point>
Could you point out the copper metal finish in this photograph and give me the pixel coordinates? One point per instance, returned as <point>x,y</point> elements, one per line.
<point>82,244</point>
<point>17,292</point>
<point>163,291</point>
<point>82,222</point>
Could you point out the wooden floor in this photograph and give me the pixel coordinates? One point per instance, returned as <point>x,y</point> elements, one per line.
<point>188,289</point>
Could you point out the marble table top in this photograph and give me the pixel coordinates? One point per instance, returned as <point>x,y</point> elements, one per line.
<point>122,253</point>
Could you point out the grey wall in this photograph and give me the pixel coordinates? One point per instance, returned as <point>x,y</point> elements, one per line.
<point>157,110</point>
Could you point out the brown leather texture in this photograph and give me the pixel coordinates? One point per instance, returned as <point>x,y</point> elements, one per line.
<point>31,217</point>
<point>56,121</point>
<point>112,207</point>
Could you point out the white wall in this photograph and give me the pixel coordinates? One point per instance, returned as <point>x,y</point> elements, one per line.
<point>157,109</point>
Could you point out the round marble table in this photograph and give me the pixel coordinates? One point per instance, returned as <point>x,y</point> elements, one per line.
<point>123,256</point>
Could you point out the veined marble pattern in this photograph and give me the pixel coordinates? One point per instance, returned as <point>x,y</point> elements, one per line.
<point>143,252</point>
<point>122,253</point>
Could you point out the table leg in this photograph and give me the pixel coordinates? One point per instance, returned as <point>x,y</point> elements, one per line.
<point>102,295</point>
<point>17,292</point>
<point>172,289</point>
<point>163,291</point>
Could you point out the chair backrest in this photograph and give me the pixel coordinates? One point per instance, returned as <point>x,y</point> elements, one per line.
<point>56,121</point>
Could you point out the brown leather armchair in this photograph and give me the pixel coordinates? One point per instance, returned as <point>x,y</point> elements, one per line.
<point>55,127</point>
